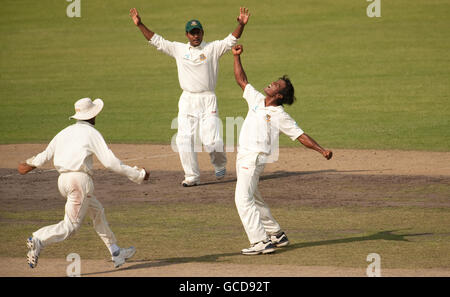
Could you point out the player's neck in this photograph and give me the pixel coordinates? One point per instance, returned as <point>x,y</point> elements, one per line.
<point>91,121</point>
<point>271,101</point>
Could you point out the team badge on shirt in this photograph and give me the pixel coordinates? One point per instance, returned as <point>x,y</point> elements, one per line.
<point>202,57</point>
<point>268,117</point>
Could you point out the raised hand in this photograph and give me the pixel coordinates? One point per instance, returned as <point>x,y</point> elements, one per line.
<point>135,16</point>
<point>237,49</point>
<point>243,16</point>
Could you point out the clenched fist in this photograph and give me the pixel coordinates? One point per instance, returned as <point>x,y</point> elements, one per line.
<point>238,49</point>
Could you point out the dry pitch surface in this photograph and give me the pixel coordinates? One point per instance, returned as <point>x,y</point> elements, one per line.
<point>323,183</point>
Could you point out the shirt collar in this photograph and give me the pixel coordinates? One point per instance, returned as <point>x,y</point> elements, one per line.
<point>200,47</point>
<point>275,108</point>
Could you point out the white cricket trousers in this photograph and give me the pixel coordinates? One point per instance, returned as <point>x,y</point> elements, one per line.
<point>255,214</point>
<point>79,190</point>
<point>199,123</point>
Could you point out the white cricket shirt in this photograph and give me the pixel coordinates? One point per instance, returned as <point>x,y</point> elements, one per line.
<point>260,130</point>
<point>198,67</point>
<point>72,150</point>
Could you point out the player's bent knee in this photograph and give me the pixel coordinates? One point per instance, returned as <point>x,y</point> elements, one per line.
<point>72,227</point>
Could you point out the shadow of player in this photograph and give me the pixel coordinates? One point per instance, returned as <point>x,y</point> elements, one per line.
<point>282,174</point>
<point>382,235</point>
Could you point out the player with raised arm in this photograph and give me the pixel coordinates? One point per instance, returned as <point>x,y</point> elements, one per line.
<point>265,118</point>
<point>198,116</point>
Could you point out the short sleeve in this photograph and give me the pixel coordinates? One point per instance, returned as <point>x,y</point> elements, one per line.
<point>289,126</point>
<point>252,95</point>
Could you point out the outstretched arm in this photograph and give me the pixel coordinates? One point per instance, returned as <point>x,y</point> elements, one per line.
<point>312,144</point>
<point>148,34</point>
<point>99,147</point>
<point>239,73</point>
<point>242,20</point>
<point>38,160</point>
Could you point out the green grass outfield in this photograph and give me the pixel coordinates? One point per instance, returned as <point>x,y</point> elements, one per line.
<point>405,237</point>
<point>380,83</point>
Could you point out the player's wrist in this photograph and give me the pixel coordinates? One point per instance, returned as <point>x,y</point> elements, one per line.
<point>138,22</point>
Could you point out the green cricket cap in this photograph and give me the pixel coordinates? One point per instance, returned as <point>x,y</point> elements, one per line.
<point>193,24</point>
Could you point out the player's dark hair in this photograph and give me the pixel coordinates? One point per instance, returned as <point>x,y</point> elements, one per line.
<point>287,92</point>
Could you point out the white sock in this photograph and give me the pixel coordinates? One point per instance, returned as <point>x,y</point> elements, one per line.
<point>113,249</point>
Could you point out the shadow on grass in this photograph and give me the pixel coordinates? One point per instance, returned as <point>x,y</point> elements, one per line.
<point>281,174</point>
<point>383,235</point>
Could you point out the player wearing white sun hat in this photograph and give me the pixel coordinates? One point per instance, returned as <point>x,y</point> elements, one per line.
<point>72,152</point>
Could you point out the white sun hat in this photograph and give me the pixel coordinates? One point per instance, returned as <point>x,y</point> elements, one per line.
<point>85,109</point>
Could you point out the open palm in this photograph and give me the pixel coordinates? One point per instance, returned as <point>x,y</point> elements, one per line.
<point>243,16</point>
<point>135,16</point>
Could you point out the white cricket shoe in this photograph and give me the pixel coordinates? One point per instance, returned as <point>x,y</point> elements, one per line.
<point>262,247</point>
<point>34,245</point>
<point>186,183</point>
<point>220,174</point>
<point>122,256</point>
<point>279,239</point>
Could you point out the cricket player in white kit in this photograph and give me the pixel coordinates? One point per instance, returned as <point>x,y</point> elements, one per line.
<point>72,150</point>
<point>198,116</point>
<point>257,141</point>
